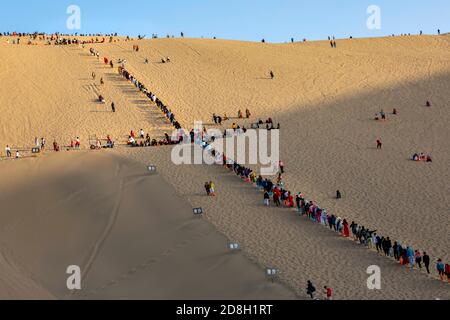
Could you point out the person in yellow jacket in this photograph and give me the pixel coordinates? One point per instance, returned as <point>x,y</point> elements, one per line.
<point>212,189</point>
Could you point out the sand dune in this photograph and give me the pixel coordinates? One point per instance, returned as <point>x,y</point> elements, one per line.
<point>132,236</point>
<point>277,237</point>
<point>55,97</point>
<point>325,100</point>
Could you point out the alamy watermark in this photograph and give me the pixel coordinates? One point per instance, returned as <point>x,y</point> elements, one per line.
<point>374,280</point>
<point>74,20</point>
<point>253,147</point>
<point>74,280</point>
<point>374,20</point>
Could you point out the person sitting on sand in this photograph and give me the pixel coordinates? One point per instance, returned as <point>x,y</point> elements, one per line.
<point>101,99</point>
<point>338,195</point>
<point>415,157</point>
<point>102,82</point>
<point>17,154</point>
<point>428,104</point>
<point>429,159</point>
<point>394,112</point>
<point>131,141</point>
<point>380,116</point>
<point>109,142</point>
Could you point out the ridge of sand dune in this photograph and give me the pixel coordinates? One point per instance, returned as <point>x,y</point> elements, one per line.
<point>207,76</point>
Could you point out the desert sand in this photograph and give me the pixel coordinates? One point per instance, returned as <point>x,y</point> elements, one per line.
<point>325,100</point>
<point>132,236</point>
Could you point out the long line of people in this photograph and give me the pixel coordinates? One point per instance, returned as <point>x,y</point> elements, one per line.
<point>277,192</point>
<point>142,88</point>
<point>132,139</point>
<point>60,39</point>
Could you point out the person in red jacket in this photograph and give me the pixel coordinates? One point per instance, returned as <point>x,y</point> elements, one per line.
<point>290,200</point>
<point>346,229</point>
<point>328,292</point>
<point>276,197</point>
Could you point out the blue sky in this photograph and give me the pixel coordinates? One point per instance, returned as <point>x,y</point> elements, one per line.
<point>274,20</point>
